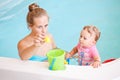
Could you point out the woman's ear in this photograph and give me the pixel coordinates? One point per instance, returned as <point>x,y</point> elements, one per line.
<point>30,26</point>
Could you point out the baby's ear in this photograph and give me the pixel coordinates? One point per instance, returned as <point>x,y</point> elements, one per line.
<point>94,42</point>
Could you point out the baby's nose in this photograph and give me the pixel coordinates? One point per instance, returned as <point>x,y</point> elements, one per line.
<point>81,39</point>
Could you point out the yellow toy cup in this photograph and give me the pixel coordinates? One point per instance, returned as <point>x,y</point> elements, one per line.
<point>56,59</point>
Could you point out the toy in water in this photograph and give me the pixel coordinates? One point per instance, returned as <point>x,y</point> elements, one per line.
<point>47,39</point>
<point>56,59</point>
<point>109,60</point>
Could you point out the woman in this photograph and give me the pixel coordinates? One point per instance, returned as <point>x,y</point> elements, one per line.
<point>34,46</point>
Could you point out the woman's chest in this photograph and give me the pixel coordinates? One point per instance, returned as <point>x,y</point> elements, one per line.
<point>44,49</point>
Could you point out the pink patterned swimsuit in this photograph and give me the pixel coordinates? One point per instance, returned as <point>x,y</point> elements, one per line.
<point>86,54</point>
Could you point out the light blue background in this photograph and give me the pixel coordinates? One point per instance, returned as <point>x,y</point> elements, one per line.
<point>67,18</point>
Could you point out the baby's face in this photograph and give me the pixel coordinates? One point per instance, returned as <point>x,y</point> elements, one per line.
<point>87,39</point>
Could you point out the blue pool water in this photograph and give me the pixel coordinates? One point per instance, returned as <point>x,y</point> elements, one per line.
<point>67,18</point>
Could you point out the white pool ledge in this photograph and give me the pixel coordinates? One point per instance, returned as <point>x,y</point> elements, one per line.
<point>15,69</point>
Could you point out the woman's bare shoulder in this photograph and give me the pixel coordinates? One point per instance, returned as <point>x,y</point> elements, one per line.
<point>23,41</point>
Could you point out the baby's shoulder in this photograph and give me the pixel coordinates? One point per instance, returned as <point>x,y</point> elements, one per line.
<point>93,48</point>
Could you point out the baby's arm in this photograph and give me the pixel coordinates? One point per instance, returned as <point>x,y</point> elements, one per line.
<point>97,62</point>
<point>96,57</point>
<point>73,51</point>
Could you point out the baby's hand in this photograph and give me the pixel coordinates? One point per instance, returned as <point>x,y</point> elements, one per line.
<point>96,64</point>
<point>67,56</point>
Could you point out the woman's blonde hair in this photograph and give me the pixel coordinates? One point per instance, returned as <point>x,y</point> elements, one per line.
<point>35,11</point>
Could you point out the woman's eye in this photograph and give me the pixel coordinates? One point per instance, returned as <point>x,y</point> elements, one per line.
<point>39,26</point>
<point>46,25</point>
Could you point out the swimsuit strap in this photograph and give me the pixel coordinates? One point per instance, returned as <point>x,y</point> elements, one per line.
<point>38,58</point>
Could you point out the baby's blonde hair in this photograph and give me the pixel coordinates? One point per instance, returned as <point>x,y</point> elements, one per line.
<point>91,29</point>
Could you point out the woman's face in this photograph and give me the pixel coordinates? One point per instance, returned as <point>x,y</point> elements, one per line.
<point>87,39</point>
<point>40,25</point>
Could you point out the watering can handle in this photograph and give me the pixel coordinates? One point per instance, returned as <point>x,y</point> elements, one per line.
<point>52,64</point>
<point>68,60</point>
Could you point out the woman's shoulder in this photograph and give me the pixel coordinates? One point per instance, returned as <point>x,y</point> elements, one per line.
<point>23,41</point>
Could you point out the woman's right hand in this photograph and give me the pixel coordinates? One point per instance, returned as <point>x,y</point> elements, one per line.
<point>39,39</point>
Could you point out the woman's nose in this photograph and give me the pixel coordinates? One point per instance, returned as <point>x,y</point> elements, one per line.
<point>43,30</point>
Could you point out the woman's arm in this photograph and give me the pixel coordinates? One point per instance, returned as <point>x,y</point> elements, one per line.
<point>26,52</point>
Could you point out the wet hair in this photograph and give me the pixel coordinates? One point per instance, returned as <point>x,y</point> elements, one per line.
<point>35,11</point>
<point>93,29</point>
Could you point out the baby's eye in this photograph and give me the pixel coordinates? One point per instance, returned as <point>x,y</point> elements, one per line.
<point>85,38</point>
<point>81,36</point>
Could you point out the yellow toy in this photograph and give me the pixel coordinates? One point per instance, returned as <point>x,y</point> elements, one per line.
<point>47,39</point>
<point>65,62</point>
